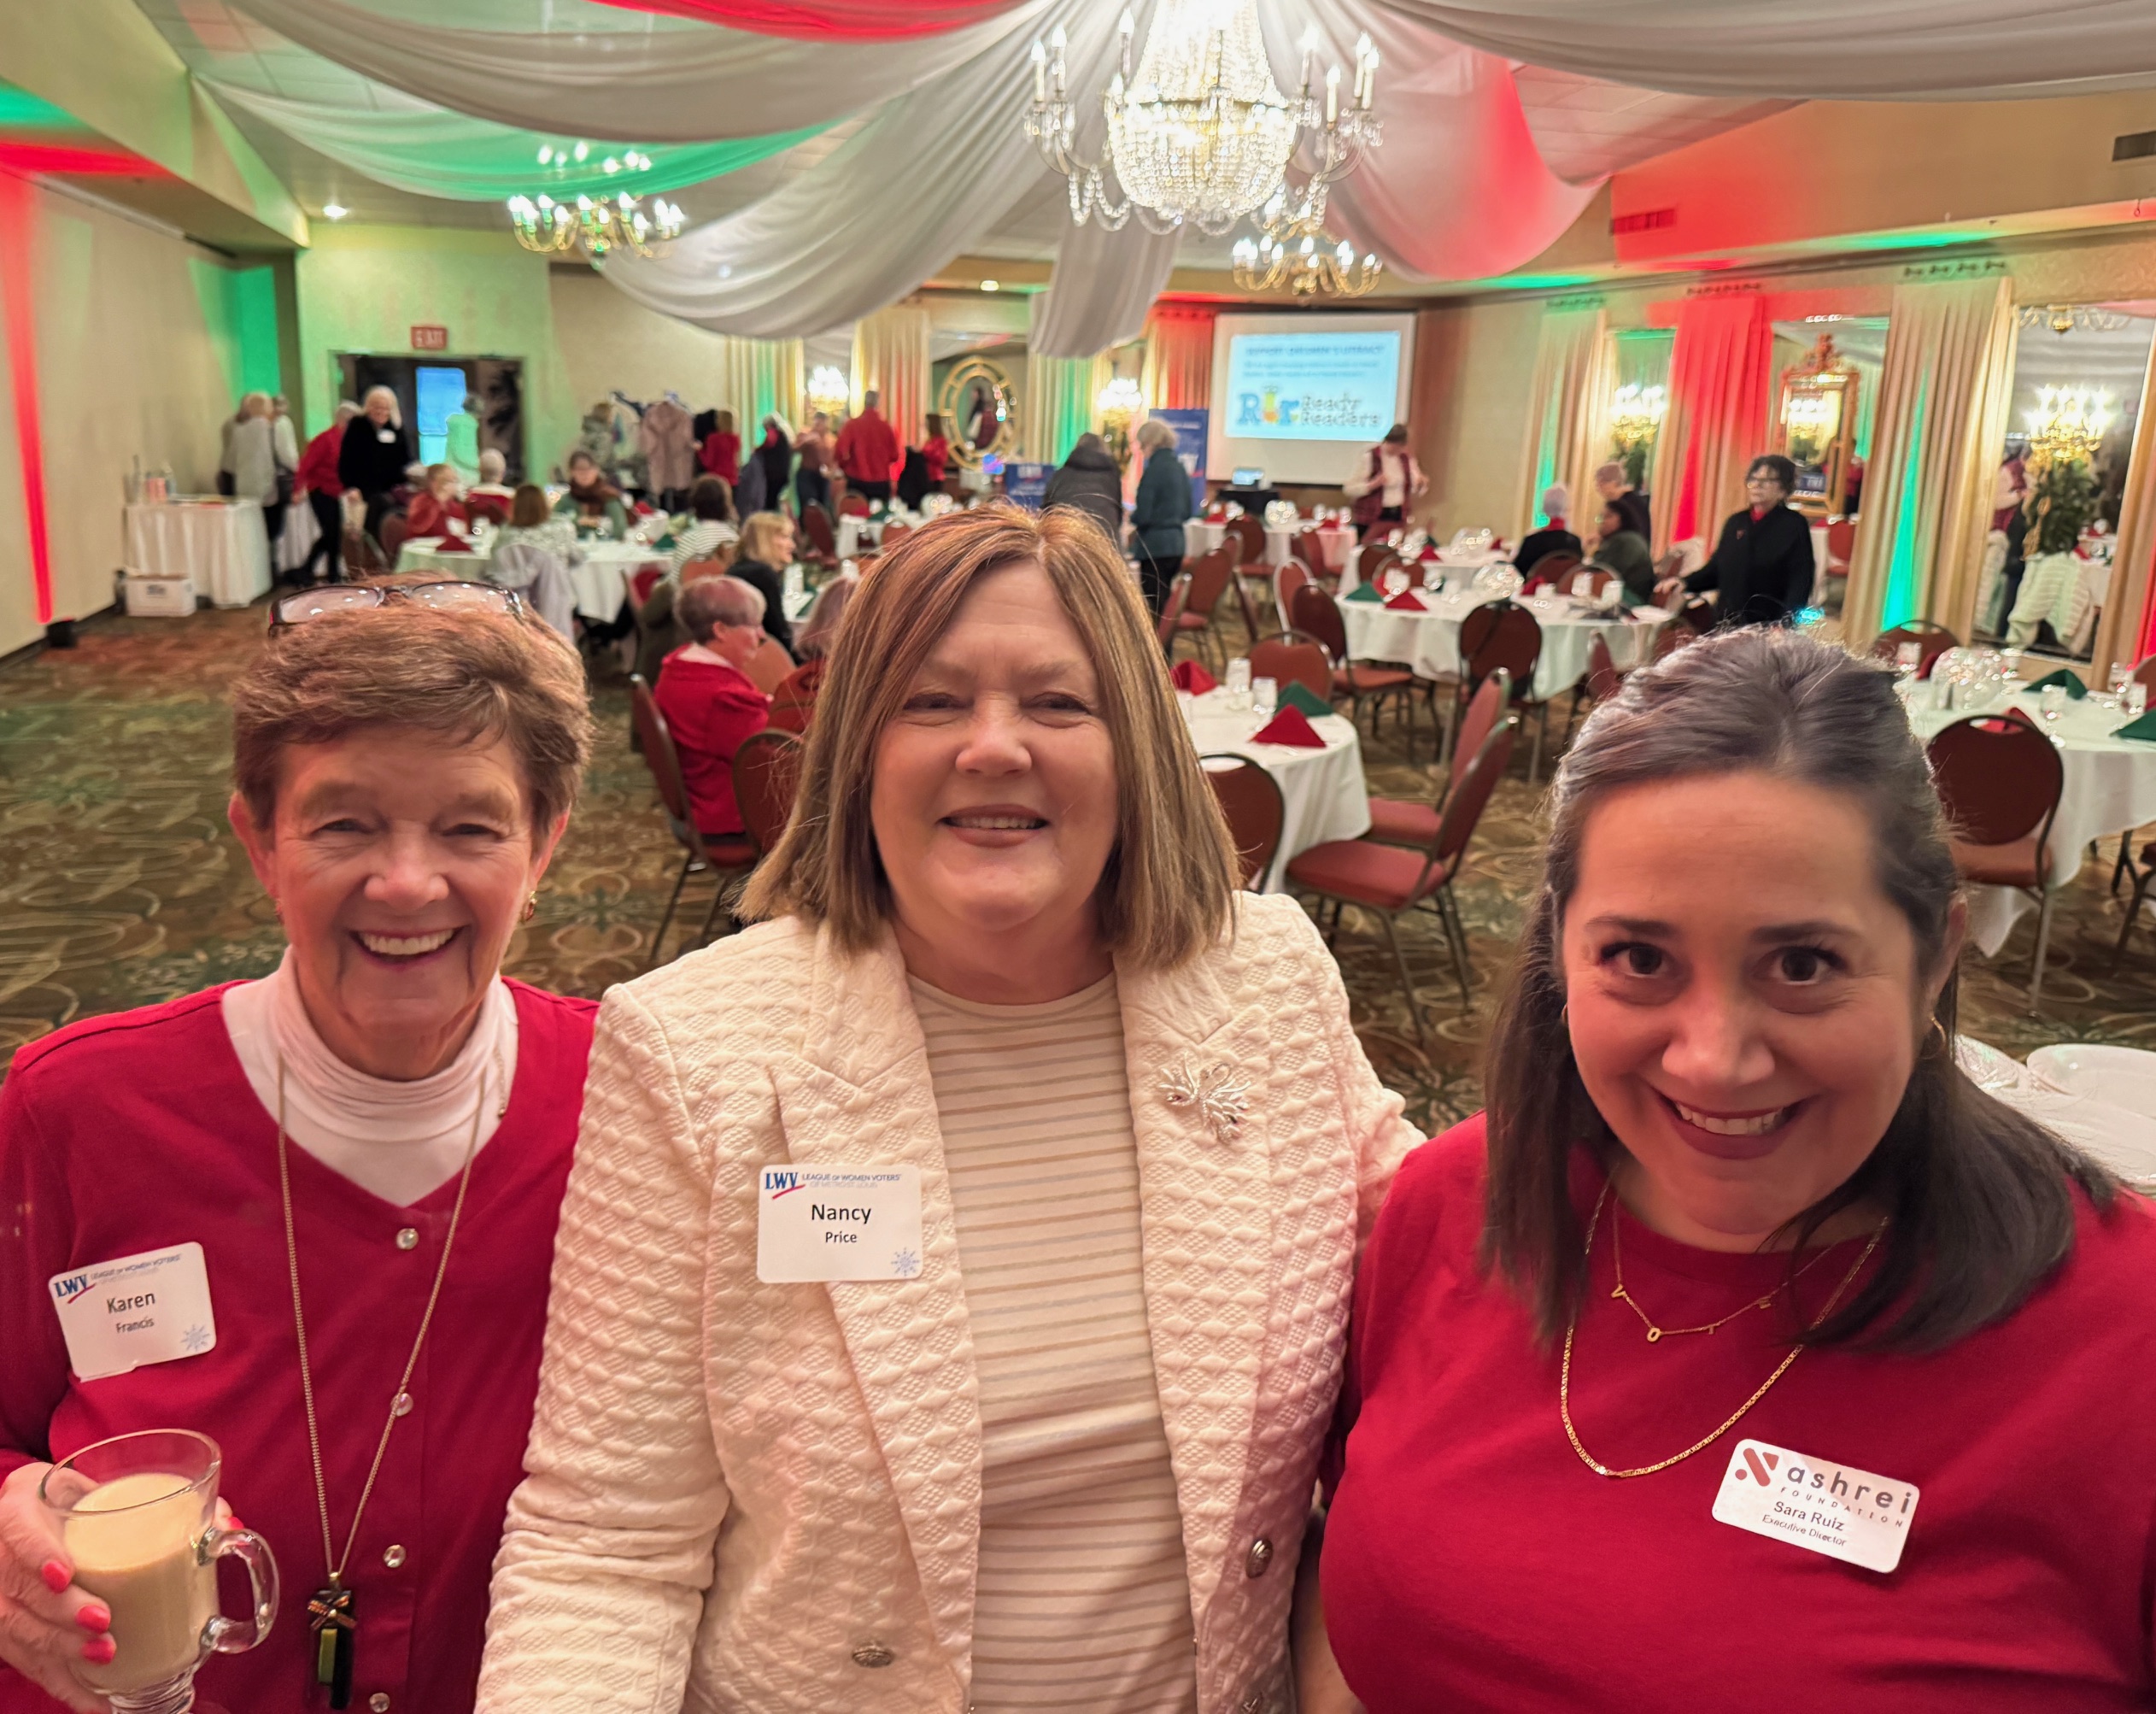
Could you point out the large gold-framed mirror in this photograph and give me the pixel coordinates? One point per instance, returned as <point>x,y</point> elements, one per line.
<point>979,411</point>
<point>1816,427</point>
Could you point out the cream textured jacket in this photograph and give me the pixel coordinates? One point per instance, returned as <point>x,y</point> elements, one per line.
<point>764,1499</point>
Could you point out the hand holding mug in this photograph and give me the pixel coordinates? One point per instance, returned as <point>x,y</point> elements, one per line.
<point>49,1624</point>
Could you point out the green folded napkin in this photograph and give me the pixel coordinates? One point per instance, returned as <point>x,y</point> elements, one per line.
<point>2066,681</point>
<point>2143,729</point>
<point>1363,592</point>
<point>1295,694</point>
<point>664,544</point>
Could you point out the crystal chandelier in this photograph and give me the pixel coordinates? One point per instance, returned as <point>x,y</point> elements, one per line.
<point>1636,414</point>
<point>827,390</point>
<point>1119,405</point>
<point>1198,131</point>
<point>2068,424</point>
<point>600,224</point>
<point>1294,250</point>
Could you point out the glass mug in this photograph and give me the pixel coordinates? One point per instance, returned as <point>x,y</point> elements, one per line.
<point>139,1515</point>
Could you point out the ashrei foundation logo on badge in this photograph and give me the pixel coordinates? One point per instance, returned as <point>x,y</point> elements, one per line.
<point>1828,1507</point>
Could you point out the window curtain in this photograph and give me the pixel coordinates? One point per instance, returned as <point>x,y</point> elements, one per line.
<point>2129,628</point>
<point>1178,374</point>
<point>1935,443</point>
<point>764,375</point>
<point>1720,384</point>
<point>1058,405</point>
<point>1568,410</point>
<point>891,355</point>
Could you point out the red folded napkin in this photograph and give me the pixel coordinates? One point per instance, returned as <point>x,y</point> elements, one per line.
<point>1430,553</point>
<point>1290,725</point>
<point>1189,676</point>
<point>1406,601</point>
<point>453,545</point>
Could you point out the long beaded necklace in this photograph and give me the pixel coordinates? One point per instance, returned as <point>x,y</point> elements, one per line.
<point>1572,1327</point>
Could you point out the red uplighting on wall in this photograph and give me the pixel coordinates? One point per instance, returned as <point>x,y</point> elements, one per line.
<point>17,155</point>
<point>18,214</point>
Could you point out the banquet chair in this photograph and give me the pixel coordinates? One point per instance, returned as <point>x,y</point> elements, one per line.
<point>1210,575</point>
<point>1841,546</point>
<point>1408,820</point>
<point>2000,780</point>
<point>1504,633</point>
<point>1931,640</point>
<point>1303,545</point>
<point>894,533</point>
<point>1600,681</point>
<point>362,556</point>
<point>1250,532</point>
<point>1256,813</point>
<point>1588,583</point>
<point>1286,579</point>
<point>1375,563</point>
<point>823,536</point>
<point>1169,625</point>
<point>851,506</point>
<point>767,767</point>
<point>491,507</point>
<point>1313,613</point>
<point>724,858</point>
<point>1391,881</point>
<point>1294,657</point>
<point>394,528</point>
<point>1552,571</point>
<point>768,667</point>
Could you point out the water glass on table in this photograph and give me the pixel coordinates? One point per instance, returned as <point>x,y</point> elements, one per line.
<point>2135,699</point>
<point>1265,695</point>
<point>1237,682</point>
<point>2051,703</point>
<point>138,1516</point>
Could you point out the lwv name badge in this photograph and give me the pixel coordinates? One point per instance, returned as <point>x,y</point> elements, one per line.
<point>119,1315</point>
<point>1818,1504</point>
<point>815,1223</point>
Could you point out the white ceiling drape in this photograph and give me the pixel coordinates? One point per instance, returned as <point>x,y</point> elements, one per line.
<point>1825,49</point>
<point>677,84</point>
<point>1104,287</point>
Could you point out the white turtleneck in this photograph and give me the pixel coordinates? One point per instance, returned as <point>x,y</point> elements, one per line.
<point>398,1139</point>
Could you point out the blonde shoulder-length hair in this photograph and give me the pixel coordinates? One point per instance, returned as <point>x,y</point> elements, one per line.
<point>1166,893</point>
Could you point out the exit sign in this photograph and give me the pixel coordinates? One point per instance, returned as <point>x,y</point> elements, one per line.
<point>429,338</point>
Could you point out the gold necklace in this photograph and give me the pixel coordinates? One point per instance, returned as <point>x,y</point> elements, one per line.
<point>1572,1327</point>
<point>330,1610</point>
<point>1656,1333</point>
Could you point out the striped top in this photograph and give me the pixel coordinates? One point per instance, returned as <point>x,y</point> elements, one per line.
<point>1083,1599</point>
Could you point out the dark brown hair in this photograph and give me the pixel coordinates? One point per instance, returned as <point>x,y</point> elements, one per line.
<point>1166,893</point>
<point>528,507</point>
<point>1978,1197</point>
<point>711,497</point>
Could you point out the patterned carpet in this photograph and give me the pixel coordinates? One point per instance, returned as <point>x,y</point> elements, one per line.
<point>121,884</point>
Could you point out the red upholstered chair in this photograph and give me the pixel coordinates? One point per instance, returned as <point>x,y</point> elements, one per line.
<point>1210,575</point>
<point>1553,572</point>
<point>1391,881</point>
<point>894,533</point>
<point>1841,546</point>
<point>1999,779</point>
<point>1293,657</point>
<point>1931,641</point>
<point>1250,533</point>
<point>767,767</point>
<point>823,536</point>
<point>1504,633</point>
<point>1250,799</point>
<point>1303,546</point>
<point>770,667</point>
<point>851,506</point>
<point>1169,625</point>
<point>642,581</point>
<point>724,858</point>
<point>1375,563</point>
<point>1601,682</point>
<point>1590,581</point>
<point>1314,614</point>
<point>1414,823</point>
<point>1288,578</point>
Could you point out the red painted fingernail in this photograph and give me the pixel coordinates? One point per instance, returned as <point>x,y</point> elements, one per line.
<point>57,1576</point>
<point>94,1616</point>
<point>99,1650</point>
<point>235,1523</point>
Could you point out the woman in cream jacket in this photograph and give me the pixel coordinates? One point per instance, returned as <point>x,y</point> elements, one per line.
<point>1060,1453</point>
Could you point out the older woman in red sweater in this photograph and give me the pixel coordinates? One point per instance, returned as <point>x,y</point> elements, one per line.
<point>709,702</point>
<point>1744,1355</point>
<point>382,1126</point>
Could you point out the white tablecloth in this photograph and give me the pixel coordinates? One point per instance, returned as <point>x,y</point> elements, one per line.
<point>853,532</point>
<point>2110,787</point>
<point>1323,790</point>
<point>1429,641</point>
<point>222,544</point>
<point>1201,537</point>
<point>600,577</point>
<point>1448,565</point>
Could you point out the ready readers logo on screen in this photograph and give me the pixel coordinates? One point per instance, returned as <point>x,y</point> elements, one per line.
<point>1313,386</point>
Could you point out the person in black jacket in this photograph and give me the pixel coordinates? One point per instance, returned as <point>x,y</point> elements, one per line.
<point>1553,538</point>
<point>1091,482</point>
<point>1763,564</point>
<point>376,450</point>
<point>1610,485</point>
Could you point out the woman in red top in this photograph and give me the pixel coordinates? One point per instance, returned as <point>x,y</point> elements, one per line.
<point>438,512</point>
<point>1744,1355</point>
<point>720,451</point>
<point>316,477</point>
<point>403,770</point>
<point>709,702</point>
<point>935,451</point>
<point>793,701</point>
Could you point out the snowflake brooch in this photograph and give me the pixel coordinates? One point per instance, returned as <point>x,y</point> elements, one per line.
<point>1221,1098</point>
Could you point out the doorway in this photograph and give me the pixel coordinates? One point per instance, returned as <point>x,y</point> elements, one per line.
<point>430,390</point>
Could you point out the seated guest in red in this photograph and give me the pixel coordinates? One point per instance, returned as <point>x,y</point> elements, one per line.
<point>710,703</point>
<point>436,511</point>
<point>794,702</point>
<point>382,1119</point>
<point>1744,1355</point>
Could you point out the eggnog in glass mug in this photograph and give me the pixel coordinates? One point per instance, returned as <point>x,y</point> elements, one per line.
<point>139,1515</point>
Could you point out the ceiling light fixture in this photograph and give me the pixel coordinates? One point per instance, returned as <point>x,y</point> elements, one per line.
<point>1293,249</point>
<point>334,211</point>
<point>992,285</point>
<point>601,225</point>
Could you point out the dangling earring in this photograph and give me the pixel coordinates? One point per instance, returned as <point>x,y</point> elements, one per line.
<point>1946,1041</point>
<point>277,908</point>
<point>531,909</point>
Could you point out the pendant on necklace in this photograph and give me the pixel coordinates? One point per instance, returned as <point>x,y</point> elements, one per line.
<point>330,1618</point>
<point>1654,1336</point>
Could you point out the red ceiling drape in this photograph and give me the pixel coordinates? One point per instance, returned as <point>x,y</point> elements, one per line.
<point>829,18</point>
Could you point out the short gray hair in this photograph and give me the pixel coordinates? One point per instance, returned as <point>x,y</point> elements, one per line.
<point>702,608</point>
<point>1154,432</point>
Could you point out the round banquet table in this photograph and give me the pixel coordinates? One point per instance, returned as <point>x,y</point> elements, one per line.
<point>1201,537</point>
<point>1323,789</point>
<point>1429,641</point>
<point>853,531</point>
<point>222,544</point>
<point>1470,561</point>
<point>600,577</point>
<point>2109,787</point>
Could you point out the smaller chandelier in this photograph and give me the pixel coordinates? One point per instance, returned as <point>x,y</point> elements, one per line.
<point>1636,414</point>
<point>1294,250</point>
<point>827,390</point>
<point>2066,318</point>
<point>600,224</point>
<point>1119,405</point>
<point>2068,424</point>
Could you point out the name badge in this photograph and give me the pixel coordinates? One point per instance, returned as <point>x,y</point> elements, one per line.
<point>150,1308</point>
<point>818,1224</point>
<point>1818,1504</point>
